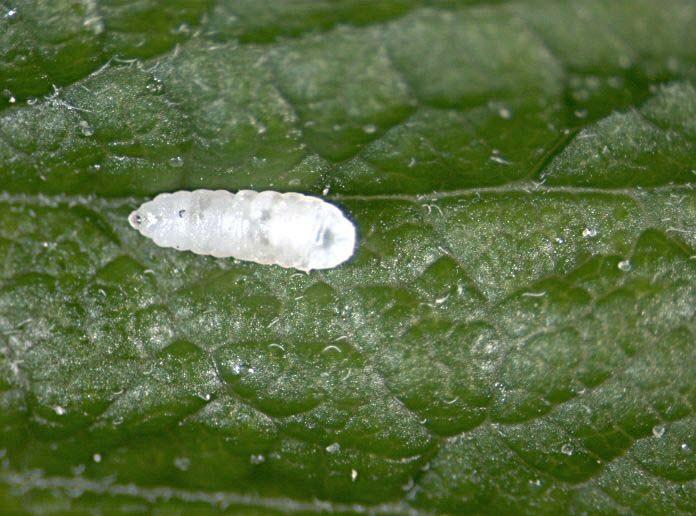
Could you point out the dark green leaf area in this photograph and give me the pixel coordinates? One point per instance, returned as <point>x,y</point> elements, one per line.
<point>46,45</point>
<point>433,100</point>
<point>514,333</point>
<point>411,365</point>
<point>634,148</point>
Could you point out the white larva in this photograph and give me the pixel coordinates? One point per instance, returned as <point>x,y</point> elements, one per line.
<point>286,229</point>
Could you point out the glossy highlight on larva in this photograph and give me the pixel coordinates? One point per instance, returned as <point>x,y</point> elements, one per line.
<point>291,230</point>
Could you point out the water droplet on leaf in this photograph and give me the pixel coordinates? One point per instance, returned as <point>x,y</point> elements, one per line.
<point>182,463</point>
<point>155,86</point>
<point>257,459</point>
<point>333,448</point>
<point>589,233</point>
<point>85,128</point>
<point>176,161</point>
<point>505,113</point>
<point>567,449</point>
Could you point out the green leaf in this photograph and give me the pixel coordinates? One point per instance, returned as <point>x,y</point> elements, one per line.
<point>514,334</point>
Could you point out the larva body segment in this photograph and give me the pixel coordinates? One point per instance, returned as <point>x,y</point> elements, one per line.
<point>286,229</point>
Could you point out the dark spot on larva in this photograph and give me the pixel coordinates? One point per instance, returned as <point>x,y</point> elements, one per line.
<point>327,239</point>
<point>135,219</point>
<point>265,216</point>
<point>181,213</point>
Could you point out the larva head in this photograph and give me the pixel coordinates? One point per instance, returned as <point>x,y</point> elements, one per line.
<point>135,219</point>
<point>143,220</point>
<point>164,219</point>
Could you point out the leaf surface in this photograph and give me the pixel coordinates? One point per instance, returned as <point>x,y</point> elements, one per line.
<point>514,333</point>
